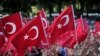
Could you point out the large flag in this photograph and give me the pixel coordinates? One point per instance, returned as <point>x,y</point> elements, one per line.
<point>2,39</point>
<point>31,35</point>
<point>81,30</point>
<point>12,24</point>
<point>64,22</point>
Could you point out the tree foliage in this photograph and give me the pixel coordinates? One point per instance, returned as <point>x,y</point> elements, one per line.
<point>17,5</point>
<point>11,6</point>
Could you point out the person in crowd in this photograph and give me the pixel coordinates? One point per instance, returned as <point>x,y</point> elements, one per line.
<point>62,52</point>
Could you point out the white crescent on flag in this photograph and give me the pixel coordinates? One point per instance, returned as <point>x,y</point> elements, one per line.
<point>44,20</point>
<point>67,20</point>
<point>36,36</point>
<point>37,33</point>
<point>13,27</point>
<point>44,43</point>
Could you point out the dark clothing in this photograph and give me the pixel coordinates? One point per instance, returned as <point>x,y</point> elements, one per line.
<point>62,52</point>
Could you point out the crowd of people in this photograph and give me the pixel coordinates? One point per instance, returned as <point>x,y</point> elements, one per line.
<point>89,47</point>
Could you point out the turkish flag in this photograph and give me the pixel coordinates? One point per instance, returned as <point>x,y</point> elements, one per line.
<point>65,39</point>
<point>12,24</point>
<point>45,23</point>
<point>31,35</point>
<point>2,39</point>
<point>64,22</point>
<point>44,19</point>
<point>82,32</point>
<point>97,29</point>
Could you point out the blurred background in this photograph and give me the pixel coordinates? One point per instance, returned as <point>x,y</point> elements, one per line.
<point>88,8</point>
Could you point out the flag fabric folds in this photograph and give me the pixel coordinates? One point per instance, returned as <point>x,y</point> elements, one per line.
<point>37,32</point>
<point>97,29</point>
<point>12,24</point>
<point>2,39</point>
<point>64,22</point>
<point>31,35</point>
<point>82,29</point>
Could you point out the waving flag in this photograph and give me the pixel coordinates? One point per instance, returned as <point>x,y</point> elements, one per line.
<point>44,19</point>
<point>2,39</point>
<point>97,29</point>
<point>82,31</point>
<point>12,24</point>
<point>45,23</point>
<point>31,35</point>
<point>64,22</point>
<point>65,39</point>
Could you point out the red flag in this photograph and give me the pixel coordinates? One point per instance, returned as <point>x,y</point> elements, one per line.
<point>65,39</point>
<point>97,29</point>
<point>45,23</point>
<point>64,22</point>
<point>44,19</point>
<point>12,24</point>
<point>83,29</point>
<point>81,32</point>
<point>2,40</point>
<point>32,34</point>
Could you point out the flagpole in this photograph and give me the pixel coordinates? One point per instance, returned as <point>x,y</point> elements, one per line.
<point>76,47</point>
<point>22,19</point>
<point>82,22</point>
<point>75,26</point>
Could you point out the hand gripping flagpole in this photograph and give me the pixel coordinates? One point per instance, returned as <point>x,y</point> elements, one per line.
<point>77,45</point>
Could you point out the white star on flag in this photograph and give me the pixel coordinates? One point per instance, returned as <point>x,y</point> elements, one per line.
<point>59,26</point>
<point>26,37</point>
